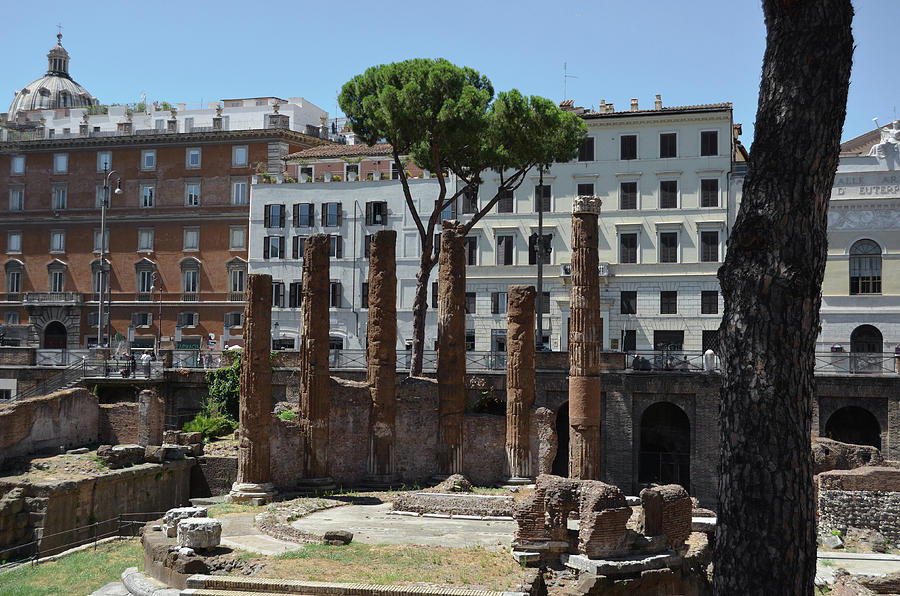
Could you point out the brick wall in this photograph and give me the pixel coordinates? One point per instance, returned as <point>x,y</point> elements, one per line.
<point>865,498</point>
<point>118,423</point>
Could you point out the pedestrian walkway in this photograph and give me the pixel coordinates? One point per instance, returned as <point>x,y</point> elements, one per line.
<point>855,563</point>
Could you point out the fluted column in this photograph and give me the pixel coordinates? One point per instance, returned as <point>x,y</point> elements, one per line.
<point>519,381</point>
<point>585,343</point>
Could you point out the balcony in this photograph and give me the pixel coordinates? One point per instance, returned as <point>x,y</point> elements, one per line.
<point>236,296</point>
<point>190,297</point>
<point>52,298</point>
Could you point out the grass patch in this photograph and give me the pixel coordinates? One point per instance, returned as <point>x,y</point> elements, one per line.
<point>78,573</point>
<point>473,567</point>
<point>827,563</point>
<point>226,508</point>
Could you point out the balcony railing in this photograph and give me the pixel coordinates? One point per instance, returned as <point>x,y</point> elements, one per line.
<point>144,297</point>
<point>13,297</point>
<point>48,298</point>
<point>236,296</point>
<point>190,297</point>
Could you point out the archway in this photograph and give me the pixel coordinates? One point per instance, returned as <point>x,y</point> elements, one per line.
<point>665,450</point>
<point>852,424</point>
<point>55,336</point>
<point>561,461</point>
<point>866,338</point>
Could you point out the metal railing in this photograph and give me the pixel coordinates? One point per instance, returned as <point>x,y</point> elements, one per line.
<point>62,357</point>
<point>671,360</point>
<point>356,359</point>
<point>53,298</point>
<point>857,362</point>
<point>71,374</point>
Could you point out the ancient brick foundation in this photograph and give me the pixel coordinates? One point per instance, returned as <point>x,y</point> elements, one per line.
<point>865,498</point>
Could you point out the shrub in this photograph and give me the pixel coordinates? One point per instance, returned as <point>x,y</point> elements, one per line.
<point>211,426</point>
<point>288,415</point>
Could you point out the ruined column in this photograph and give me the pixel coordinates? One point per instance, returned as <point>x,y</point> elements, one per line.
<point>519,382</point>
<point>451,357</point>
<point>381,354</point>
<point>253,478</point>
<point>585,343</point>
<point>151,418</point>
<point>315,382</point>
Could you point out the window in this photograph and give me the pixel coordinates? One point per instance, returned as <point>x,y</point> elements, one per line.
<point>188,319</point>
<point>144,280</point>
<point>628,147</point>
<point>585,189</point>
<point>709,302</point>
<point>506,201</point>
<point>470,200</point>
<point>190,279</point>
<point>304,215</point>
<point>335,294</point>
<point>709,142</point>
<point>306,171</point>
<point>629,340</point>
<point>295,294</point>
<point>709,246</point>
<point>376,213</point>
<point>14,242</point>
<point>434,294</point>
<point>188,125</point>
<point>234,319</point>
<point>16,198</point>
<point>142,319</point>
<point>668,302</point>
<point>542,194</point>
<point>668,247</point>
<point>99,195</point>
<point>147,191</point>
<point>628,302</point>
<point>57,280</point>
<point>192,194</point>
<point>238,192</point>
<point>237,238</point>
<point>299,247</point>
<point>97,246</point>
<point>505,250</point>
<point>11,317</point>
<point>273,247</point>
<point>710,340</point>
<point>628,195</point>
<point>470,340</point>
<point>159,124</point>
<point>668,194</point>
<point>470,303</point>
<point>60,163</point>
<point>367,246</point>
<point>499,303</point>
<point>544,299</point>
<point>351,172</point>
<point>274,216</point>
<point>57,241</point>
<point>13,278</point>
<point>192,158</point>
<point>335,246</point>
<point>236,280</point>
<point>145,239</point>
<point>449,212</point>
<point>709,192</point>
<point>148,159</point>
<point>278,294</point>
<point>668,141</point>
<point>533,248</point>
<point>364,295</point>
<point>586,150</point>
<point>628,247</point>
<point>395,171</point>
<point>60,192</point>
<point>104,161</point>
<point>239,156</point>
<point>865,267</point>
<point>191,239</point>
<point>668,340</point>
<point>17,165</point>
<point>470,244</point>
<point>331,215</point>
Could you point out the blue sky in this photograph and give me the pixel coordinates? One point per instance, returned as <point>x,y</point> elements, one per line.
<point>700,51</point>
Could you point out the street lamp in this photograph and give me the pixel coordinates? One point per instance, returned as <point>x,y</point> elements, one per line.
<point>157,285</point>
<point>104,270</point>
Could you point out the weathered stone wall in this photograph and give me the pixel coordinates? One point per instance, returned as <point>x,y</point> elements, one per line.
<point>286,453</point>
<point>213,475</point>
<point>118,423</point>
<point>16,356</point>
<point>865,498</point>
<point>484,453</point>
<point>417,429</point>
<point>67,418</point>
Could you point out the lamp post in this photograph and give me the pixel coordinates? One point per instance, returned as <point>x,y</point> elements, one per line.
<point>104,270</point>
<point>157,284</point>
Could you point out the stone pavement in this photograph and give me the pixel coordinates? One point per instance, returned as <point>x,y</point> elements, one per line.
<point>239,531</point>
<point>855,563</point>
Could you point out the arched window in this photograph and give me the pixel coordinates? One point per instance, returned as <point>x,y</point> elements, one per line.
<point>665,446</point>
<point>865,267</point>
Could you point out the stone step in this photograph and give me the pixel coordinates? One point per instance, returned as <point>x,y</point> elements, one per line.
<point>217,585</point>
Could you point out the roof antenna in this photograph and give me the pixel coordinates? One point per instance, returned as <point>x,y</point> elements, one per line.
<point>566,77</point>
<point>875,120</point>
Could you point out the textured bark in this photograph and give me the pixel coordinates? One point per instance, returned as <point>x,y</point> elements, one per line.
<point>451,358</point>
<point>381,354</point>
<point>315,398</point>
<point>585,344</point>
<point>256,382</point>
<point>519,379</point>
<point>771,282</point>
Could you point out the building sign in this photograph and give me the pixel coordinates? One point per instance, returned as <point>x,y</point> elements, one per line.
<point>866,185</point>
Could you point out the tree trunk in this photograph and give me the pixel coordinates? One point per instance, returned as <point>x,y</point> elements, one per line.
<point>420,308</point>
<point>771,282</point>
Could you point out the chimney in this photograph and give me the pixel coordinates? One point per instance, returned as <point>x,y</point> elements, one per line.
<point>634,104</point>
<point>657,105</point>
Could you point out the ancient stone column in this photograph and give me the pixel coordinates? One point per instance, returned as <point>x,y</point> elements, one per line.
<point>151,418</point>
<point>451,357</point>
<point>585,343</point>
<point>519,382</point>
<point>315,382</point>
<point>253,478</point>
<point>381,354</point>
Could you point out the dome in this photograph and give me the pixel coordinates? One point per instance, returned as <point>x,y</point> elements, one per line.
<point>56,89</point>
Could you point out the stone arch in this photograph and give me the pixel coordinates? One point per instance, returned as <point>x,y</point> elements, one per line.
<point>664,452</point>
<point>856,425</point>
<point>866,338</point>
<point>54,336</point>
<point>561,461</point>
<point>68,316</point>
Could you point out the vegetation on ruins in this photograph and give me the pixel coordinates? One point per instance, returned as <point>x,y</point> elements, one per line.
<point>219,410</point>
<point>446,119</point>
<point>771,281</point>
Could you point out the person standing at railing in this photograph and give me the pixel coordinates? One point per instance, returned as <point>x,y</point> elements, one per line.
<point>145,363</point>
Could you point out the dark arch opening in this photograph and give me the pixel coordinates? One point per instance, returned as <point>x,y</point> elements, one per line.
<point>866,338</point>
<point>55,336</point>
<point>852,424</point>
<point>665,450</point>
<point>561,461</point>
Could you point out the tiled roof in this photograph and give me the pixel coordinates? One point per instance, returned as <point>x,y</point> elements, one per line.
<point>339,150</point>
<point>672,109</point>
<point>862,143</point>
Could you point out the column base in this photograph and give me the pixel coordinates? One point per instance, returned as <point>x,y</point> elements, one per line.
<point>516,482</point>
<point>380,482</point>
<point>316,485</point>
<point>259,494</point>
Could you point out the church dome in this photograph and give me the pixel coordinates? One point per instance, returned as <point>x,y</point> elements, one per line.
<point>56,89</point>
